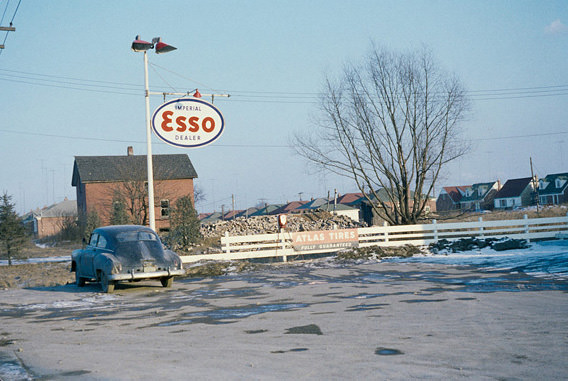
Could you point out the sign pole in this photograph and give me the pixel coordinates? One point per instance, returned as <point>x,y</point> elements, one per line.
<point>151,214</point>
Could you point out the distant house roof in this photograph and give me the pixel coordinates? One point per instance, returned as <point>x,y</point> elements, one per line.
<point>232,214</point>
<point>313,204</point>
<point>210,218</point>
<point>90,169</point>
<point>350,198</point>
<point>513,188</point>
<point>290,207</point>
<point>65,208</point>
<point>475,195</point>
<point>268,209</point>
<point>247,212</point>
<point>456,192</point>
<point>555,184</point>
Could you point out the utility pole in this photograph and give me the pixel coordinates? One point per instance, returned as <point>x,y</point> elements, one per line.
<point>6,29</point>
<point>535,186</point>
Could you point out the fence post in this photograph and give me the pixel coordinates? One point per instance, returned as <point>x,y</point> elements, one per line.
<point>385,224</point>
<point>481,228</point>
<point>227,246</point>
<point>283,243</point>
<point>527,231</point>
<point>435,230</point>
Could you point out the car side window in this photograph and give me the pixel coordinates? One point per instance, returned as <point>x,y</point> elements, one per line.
<point>94,238</point>
<point>102,242</point>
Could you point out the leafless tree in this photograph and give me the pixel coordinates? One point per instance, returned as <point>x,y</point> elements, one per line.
<point>390,124</point>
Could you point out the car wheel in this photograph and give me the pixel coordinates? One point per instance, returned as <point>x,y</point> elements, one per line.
<point>106,284</point>
<point>79,281</point>
<point>167,281</point>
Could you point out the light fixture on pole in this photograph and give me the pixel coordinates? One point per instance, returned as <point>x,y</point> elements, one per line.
<point>143,46</point>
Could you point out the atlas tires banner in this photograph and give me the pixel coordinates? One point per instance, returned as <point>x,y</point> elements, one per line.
<point>188,122</point>
<point>325,239</point>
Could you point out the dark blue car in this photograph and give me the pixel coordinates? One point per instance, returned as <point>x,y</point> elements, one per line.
<point>124,253</point>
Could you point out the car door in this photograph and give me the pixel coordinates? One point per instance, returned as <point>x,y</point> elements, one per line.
<point>86,262</point>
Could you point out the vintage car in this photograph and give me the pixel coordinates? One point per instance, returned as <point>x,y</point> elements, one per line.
<point>124,253</point>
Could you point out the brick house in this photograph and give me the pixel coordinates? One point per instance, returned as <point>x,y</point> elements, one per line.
<point>102,180</point>
<point>50,220</point>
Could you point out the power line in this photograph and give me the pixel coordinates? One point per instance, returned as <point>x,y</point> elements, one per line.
<point>11,23</point>
<point>135,141</point>
<point>248,96</point>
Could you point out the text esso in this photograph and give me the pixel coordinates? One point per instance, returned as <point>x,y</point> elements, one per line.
<point>188,122</point>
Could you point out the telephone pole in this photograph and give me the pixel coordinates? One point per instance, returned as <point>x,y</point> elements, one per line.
<point>6,29</point>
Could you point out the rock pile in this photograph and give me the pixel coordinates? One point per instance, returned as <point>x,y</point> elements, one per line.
<point>465,244</point>
<point>269,224</point>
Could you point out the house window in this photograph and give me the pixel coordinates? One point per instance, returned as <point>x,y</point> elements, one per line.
<point>503,203</point>
<point>559,183</point>
<point>165,208</point>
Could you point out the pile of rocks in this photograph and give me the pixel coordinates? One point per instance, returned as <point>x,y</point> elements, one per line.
<point>465,244</point>
<point>269,224</point>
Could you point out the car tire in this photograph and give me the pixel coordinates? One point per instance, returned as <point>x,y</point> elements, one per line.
<point>106,284</point>
<point>79,281</point>
<point>167,281</point>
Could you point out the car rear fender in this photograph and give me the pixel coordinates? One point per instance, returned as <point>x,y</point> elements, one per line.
<point>106,263</point>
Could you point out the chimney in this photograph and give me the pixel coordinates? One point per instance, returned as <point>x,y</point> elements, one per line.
<point>130,151</point>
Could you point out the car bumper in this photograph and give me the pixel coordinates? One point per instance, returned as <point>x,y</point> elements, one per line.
<point>146,275</point>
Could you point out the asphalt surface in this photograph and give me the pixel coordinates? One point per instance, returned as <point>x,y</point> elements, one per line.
<point>310,321</point>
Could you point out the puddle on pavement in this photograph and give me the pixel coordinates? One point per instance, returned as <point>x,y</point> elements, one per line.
<point>387,352</point>
<point>291,350</point>
<point>367,307</point>
<point>310,329</point>
<point>228,315</point>
<point>423,300</point>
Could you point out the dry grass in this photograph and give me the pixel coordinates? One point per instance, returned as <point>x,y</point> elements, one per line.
<point>543,212</point>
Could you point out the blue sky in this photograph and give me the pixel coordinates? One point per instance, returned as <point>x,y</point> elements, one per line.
<point>71,86</point>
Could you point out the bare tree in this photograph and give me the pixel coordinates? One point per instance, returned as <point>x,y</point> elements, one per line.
<point>390,124</point>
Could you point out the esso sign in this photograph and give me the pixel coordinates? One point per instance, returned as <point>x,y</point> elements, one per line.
<point>188,122</point>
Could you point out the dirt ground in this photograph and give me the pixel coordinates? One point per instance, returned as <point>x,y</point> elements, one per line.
<point>36,275</point>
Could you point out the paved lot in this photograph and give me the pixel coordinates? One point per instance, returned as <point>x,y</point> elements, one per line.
<point>370,321</point>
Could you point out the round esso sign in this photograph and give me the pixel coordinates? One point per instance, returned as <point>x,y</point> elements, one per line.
<point>188,122</point>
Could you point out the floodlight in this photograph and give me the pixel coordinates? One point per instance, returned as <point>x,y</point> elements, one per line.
<point>140,45</point>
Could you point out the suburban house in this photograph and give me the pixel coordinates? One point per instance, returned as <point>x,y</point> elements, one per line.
<point>553,189</point>
<point>103,182</point>
<point>516,193</point>
<point>450,198</point>
<point>50,220</point>
<point>480,196</point>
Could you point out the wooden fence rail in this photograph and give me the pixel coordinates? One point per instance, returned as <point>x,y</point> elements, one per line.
<point>286,244</point>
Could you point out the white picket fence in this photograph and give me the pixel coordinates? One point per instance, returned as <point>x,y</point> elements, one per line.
<point>280,244</point>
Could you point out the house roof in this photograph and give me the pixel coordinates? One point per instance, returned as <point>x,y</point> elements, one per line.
<point>513,188</point>
<point>475,196</point>
<point>90,169</point>
<point>268,209</point>
<point>212,217</point>
<point>232,214</point>
<point>551,188</point>
<point>313,204</point>
<point>289,207</point>
<point>349,198</point>
<point>65,208</point>
<point>456,192</point>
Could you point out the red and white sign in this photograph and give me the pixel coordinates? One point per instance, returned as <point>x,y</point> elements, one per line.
<point>188,122</point>
<point>325,239</point>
